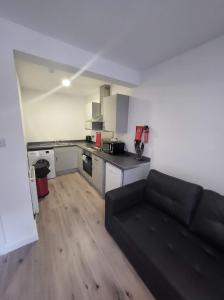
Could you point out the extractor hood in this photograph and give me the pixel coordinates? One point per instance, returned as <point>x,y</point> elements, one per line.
<point>104,92</point>
<point>95,110</point>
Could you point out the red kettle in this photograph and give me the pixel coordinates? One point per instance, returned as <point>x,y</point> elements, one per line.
<point>98,139</point>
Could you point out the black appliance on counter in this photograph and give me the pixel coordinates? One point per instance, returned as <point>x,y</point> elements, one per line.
<point>87,162</point>
<point>88,139</point>
<point>114,148</point>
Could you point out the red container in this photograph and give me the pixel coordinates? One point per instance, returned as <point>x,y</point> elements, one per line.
<point>98,139</point>
<point>42,187</point>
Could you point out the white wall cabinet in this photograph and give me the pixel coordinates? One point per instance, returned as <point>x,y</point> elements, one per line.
<point>98,173</point>
<point>115,113</point>
<point>66,159</point>
<point>116,177</point>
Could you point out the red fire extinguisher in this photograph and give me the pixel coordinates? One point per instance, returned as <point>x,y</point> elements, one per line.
<point>138,133</point>
<point>142,131</point>
<point>139,144</point>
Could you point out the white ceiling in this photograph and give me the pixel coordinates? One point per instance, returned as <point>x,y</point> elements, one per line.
<point>41,78</point>
<point>135,33</point>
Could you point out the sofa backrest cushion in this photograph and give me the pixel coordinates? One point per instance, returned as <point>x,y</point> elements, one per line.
<point>174,196</point>
<point>208,221</point>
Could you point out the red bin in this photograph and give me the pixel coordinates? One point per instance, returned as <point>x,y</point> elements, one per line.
<point>42,187</point>
<point>41,170</point>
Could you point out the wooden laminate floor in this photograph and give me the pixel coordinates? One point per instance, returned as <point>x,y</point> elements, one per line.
<point>75,257</point>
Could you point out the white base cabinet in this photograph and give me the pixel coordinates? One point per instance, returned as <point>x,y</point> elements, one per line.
<point>116,177</point>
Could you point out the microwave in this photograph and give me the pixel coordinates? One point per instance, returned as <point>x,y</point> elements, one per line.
<point>114,148</point>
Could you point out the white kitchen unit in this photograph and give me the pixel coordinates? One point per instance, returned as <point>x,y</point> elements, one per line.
<point>98,173</point>
<point>33,190</point>
<point>66,159</point>
<point>115,113</point>
<point>135,174</point>
<point>116,177</point>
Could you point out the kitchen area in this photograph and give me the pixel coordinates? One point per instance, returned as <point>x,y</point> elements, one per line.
<point>96,150</point>
<point>103,170</point>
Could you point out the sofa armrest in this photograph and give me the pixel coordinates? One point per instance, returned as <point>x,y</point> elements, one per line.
<point>122,198</point>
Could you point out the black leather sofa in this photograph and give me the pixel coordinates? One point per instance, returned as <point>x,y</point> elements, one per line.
<point>172,232</point>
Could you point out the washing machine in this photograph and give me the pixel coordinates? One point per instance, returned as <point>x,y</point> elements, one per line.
<point>48,154</point>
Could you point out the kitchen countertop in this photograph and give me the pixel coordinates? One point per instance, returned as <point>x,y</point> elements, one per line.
<point>50,145</point>
<point>123,161</point>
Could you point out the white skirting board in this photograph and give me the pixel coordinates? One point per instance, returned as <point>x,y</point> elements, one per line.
<point>6,248</point>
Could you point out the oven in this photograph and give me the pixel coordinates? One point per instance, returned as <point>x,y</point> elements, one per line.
<point>87,162</point>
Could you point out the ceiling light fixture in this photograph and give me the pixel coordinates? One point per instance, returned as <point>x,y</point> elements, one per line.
<point>66,82</point>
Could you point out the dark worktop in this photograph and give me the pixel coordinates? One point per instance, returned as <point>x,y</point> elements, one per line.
<point>123,161</point>
<point>50,145</point>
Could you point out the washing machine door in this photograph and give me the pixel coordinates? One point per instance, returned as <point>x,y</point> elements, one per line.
<point>48,154</point>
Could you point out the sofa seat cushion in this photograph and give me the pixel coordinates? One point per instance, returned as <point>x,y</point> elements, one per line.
<point>208,221</point>
<point>191,268</point>
<point>174,196</point>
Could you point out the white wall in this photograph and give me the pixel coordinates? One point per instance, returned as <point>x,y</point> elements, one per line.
<point>18,226</point>
<point>138,115</point>
<point>56,117</point>
<point>114,89</point>
<point>21,107</point>
<point>185,107</point>
<point>17,223</point>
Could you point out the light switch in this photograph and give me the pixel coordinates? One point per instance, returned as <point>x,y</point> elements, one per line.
<point>2,143</point>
